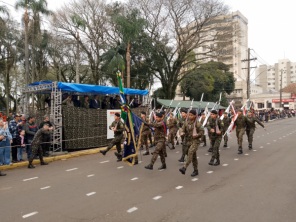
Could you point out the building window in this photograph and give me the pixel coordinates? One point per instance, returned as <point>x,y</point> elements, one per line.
<point>260,105</point>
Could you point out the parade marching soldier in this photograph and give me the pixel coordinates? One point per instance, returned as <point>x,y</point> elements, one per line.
<point>193,131</point>
<point>36,145</point>
<point>159,139</point>
<point>226,122</point>
<point>250,128</point>
<point>181,133</point>
<point>173,128</point>
<point>203,138</point>
<point>117,127</point>
<point>240,123</point>
<point>215,127</point>
<point>145,133</point>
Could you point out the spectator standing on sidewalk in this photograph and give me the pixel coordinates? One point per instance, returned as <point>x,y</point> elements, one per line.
<point>30,128</point>
<point>13,129</point>
<point>5,141</point>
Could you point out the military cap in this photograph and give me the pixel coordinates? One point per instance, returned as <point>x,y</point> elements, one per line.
<point>183,110</point>
<point>117,114</point>
<point>193,112</point>
<point>143,112</point>
<point>159,114</point>
<point>214,112</point>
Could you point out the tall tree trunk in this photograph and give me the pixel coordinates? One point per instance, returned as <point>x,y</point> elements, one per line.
<point>7,83</point>
<point>128,68</point>
<point>77,59</point>
<point>26,20</point>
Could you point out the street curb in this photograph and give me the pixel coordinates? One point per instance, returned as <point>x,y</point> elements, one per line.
<point>55,158</point>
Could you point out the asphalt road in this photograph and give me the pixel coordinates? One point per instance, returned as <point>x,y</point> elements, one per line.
<point>256,186</point>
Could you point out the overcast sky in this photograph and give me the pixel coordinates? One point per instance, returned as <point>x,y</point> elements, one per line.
<point>271,26</point>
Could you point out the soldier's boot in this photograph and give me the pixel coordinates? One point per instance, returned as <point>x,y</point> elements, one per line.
<point>151,145</point>
<point>103,152</point>
<point>177,142</point>
<point>163,167</point>
<point>182,170</point>
<point>181,160</point>
<point>43,163</point>
<point>210,150</point>
<point>146,153</point>
<point>31,166</point>
<point>165,155</point>
<point>217,162</point>
<point>225,144</point>
<point>194,173</point>
<point>149,167</point>
<point>136,162</point>
<point>240,150</point>
<point>212,161</point>
<point>173,147</point>
<point>250,146</point>
<point>205,144</point>
<point>119,156</point>
<point>141,147</point>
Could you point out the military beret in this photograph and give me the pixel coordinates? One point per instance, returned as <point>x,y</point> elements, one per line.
<point>159,114</point>
<point>214,112</point>
<point>143,112</point>
<point>117,114</point>
<point>183,110</point>
<point>193,112</point>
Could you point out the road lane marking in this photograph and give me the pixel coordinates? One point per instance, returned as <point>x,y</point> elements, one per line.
<point>140,161</point>
<point>274,140</point>
<point>209,172</point>
<point>177,152</point>
<point>90,194</point>
<point>254,150</point>
<point>236,159</point>
<point>225,164</point>
<point>107,161</point>
<point>246,154</point>
<point>71,169</point>
<point>157,197</point>
<point>206,154</point>
<point>179,187</point>
<point>30,214</point>
<point>261,147</point>
<point>44,188</point>
<point>135,178</point>
<point>132,209</point>
<point>90,175</point>
<point>33,178</point>
<point>120,167</point>
<point>268,143</point>
<point>194,179</point>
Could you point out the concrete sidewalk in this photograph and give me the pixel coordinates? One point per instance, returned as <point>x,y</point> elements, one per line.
<point>54,157</point>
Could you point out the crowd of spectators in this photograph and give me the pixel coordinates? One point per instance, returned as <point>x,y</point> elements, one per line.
<point>272,114</point>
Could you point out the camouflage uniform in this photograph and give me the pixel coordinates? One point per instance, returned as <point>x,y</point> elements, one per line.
<point>240,123</point>
<point>226,122</point>
<point>192,142</point>
<point>173,128</point>
<point>145,135</point>
<point>118,136</point>
<point>203,138</point>
<point>159,139</point>
<point>182,121</point>
<point>215,138</point>
<point>250,129</point>
<point>36,145</point>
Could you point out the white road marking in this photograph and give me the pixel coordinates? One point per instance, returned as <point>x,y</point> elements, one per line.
<point>246,154</point>
<point>280,138</point>
<point>261,147</point>
<point>178,152</point>
<point>120,167</point>
<point>209,172</point>
<point>206,154</point>
<point>132,209</point>
<point>135,178</point>
<point>71,169</point>
<point>90,194</point>
<point>107,161</point>
<point>157,197</point>
<point>268,143</point>
<point>30,214</point>
<point>236,159</point>
<point>194,179</point>
<point>254,150</point>
<point>274,140</point>
<point>90,175</point>
<point>33,178</point>
<point>179,187</point>
<point>140,161</point>
<point>44,188</point>
<point>225,164</point>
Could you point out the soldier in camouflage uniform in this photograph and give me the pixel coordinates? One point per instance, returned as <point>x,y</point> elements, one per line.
<point>250,129</point>
<point>203,138</point>
<point>159,138</point>
<point>36,145</point>
<point>173,128</point>
<point>194,131</point>
<point>145,132</point>
<point>183,136</point>
<point>118,127</point>
<point>215,128</point>
<point>226,122</point>
<point>240,123</point>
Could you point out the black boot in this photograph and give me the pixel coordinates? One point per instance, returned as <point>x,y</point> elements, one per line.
<point>195,173</point>
<point>149,167</point>
<point>210,150</point>
<point>250,146</point>
<point>2,174</point>
<point>146,153</point>
<point>103,152</point>
<point>217,162</point>
<point>225,145</point>
<point>163,167</point>
<point>181,160</point>
<point>240,150</point>
<point>182,170</point>
<point>43,163</point>
<point>119,156</point>
<point>177,142</point>
<point>205,144</point>
<point>212,161</point>
<point>31,166</point>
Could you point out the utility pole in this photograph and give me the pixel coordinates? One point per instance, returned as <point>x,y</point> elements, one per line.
<point>281,86</point>
<point>248,70</point>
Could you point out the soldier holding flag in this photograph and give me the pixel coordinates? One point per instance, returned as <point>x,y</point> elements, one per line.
<point>250,129</point>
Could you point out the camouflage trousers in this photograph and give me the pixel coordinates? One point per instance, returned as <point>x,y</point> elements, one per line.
<point>159,150</point>
<point>172,135</point>
<point>192,156</point>
<point>203,139</point>
<point>36,150</point>
<point>225,139</point>
<point>250,133</point>
<point>144,140</point>
<point>215,144</point>
<point>184,148</point>
<point>115,142</point>
<point>240,134</point>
